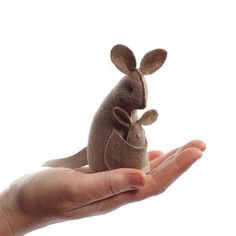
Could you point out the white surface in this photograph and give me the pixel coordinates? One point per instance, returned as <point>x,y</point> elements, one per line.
<point>55,70</point>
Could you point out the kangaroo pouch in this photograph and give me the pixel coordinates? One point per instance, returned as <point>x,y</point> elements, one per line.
<point>120,154</point>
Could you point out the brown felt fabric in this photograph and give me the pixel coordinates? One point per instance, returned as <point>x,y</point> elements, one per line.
<point>75,161</point>
<point>129,95</point>
<point>123,58</point>
<point>136,135</point>
<point>148,117</point>
<point>122,116</point>
<point>152,61</point>
<point>120,154</point>
<point>111,144</point>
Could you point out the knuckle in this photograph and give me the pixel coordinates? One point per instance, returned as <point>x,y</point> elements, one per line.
<point>162,190</point>
<point>112,187</point>
<point>179,168</point>
<point>159,189</point>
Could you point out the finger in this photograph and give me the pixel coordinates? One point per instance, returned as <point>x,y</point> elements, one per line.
<point>195,143</point>
<point>169,171</point>
<point>90,188</point>
<point>154,154</point>
<point>162,178</point>
<point>164,175</point>
<point>156,183</point>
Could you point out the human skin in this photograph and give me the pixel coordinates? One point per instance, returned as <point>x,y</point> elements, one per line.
<point>59,194</point>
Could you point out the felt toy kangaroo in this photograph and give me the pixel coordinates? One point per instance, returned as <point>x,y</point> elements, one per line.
<point>129,95</point>
<point>133,149</point>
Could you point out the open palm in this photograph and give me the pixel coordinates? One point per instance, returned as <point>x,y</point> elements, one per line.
<point>59,194</point>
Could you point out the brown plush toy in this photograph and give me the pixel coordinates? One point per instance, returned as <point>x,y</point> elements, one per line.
<point>132,151</point>
<point>113,140</point>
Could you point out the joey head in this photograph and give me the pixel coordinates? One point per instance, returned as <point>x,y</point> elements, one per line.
<point>136,134</point>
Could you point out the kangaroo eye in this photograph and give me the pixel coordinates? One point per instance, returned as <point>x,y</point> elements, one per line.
<point>130,89</point>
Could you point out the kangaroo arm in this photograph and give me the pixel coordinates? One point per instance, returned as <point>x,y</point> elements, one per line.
<point>75,161</point>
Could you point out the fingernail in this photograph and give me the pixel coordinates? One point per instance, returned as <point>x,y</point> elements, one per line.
<point>137,180</point>
<point>196,153</point>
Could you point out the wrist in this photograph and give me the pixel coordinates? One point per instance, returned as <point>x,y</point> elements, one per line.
<point>13,221</point>
<point>5,228</point>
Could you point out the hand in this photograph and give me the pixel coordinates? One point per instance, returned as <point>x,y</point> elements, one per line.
<point>60,194</point>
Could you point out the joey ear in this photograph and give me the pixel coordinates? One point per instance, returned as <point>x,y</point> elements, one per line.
<point>148,117</point>
<point>122,116</point>
<point>152,61</point>
<point>123,58</point>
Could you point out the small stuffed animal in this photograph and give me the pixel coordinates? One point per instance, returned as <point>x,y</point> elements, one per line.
<point>129,94</point>
<point>131,151</point>
<point>136,134</point>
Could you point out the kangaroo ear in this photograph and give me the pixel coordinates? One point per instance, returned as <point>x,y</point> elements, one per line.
<point>148,117</point>
<point>152,61</point>
<point>123,58</point>
<point>122,116</point>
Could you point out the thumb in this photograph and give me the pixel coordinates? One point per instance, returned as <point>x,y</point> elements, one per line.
<point>102,185</point>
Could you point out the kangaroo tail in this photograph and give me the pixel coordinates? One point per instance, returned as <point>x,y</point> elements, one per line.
<point>75,161</point>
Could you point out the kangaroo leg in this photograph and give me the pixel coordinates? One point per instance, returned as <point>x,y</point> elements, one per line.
<point>75,161</point>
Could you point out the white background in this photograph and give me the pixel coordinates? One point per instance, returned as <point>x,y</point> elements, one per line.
<point>55,70</point>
